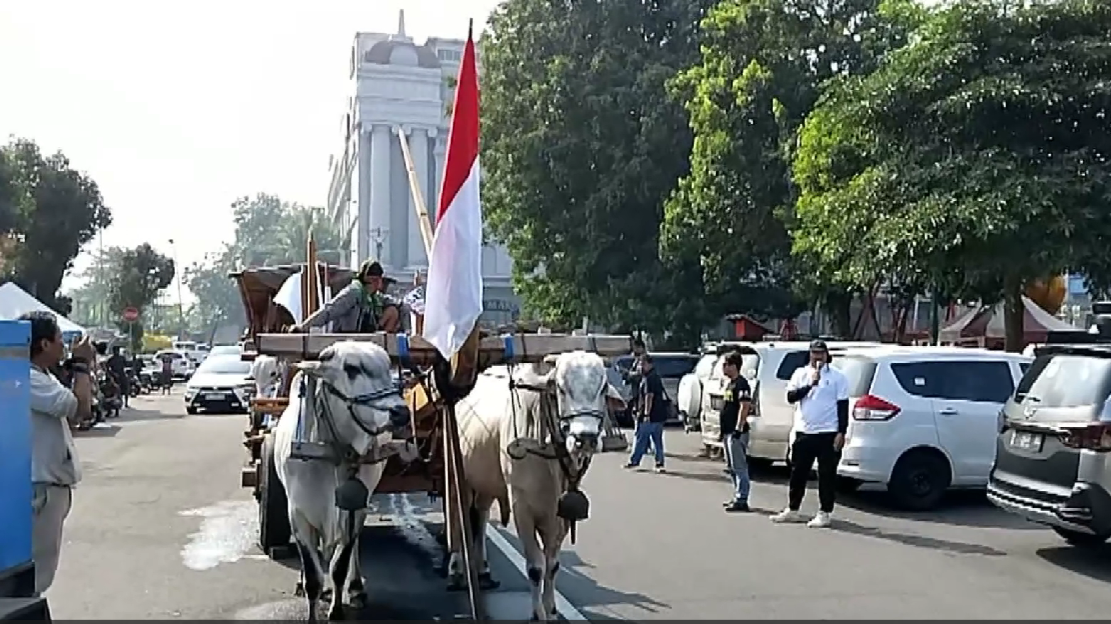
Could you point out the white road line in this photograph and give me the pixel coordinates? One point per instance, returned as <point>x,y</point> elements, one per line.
<point>564,608</point>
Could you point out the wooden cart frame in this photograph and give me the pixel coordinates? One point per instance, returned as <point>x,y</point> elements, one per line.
<point>431,399</point>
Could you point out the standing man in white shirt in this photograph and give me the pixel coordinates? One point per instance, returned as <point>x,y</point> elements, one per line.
<point>55,469</point>
<point>820,395</point>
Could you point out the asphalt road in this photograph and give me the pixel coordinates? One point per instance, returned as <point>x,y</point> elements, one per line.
<point>161,530</point>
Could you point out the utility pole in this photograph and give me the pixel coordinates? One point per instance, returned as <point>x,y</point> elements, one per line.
<point>180,308</point>
<point>101,317</point>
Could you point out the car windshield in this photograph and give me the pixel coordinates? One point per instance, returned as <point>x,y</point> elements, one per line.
<point>1065,380</point>
<point>858,372</point>
<point>225,365</point>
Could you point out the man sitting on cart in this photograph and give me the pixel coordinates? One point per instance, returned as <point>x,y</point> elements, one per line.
<point>362,307</point>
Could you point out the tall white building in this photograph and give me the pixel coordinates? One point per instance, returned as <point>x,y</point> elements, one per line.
<point>400,86</point>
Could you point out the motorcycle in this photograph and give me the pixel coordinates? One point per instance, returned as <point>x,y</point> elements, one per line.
<point>134,383</point>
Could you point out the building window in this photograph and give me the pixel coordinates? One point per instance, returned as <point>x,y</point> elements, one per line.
<point>449,55</point>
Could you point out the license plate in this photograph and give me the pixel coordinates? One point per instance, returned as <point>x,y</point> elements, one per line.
<point>1027,441</point>
<point>215,396</point>
<point>716,403</point>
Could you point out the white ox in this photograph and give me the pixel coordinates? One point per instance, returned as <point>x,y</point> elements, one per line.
<point>526,457</point>
<point>357,396</point>
<point>267,375</point>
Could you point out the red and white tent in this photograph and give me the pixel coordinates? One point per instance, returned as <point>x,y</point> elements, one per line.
<point>986,325</point>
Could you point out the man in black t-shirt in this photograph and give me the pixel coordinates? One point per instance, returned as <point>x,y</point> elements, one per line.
<point>652,414</point>
<point>734,430</point>
<point>117,368</point>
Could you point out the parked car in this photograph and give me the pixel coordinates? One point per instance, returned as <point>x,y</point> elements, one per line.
<point>671,368</point>
<point>225,350</point>
<point>222,383</point>
<point>182,366</point>
<point>692,385</point>
<point>1051,460</point>
<point>923,420</point>
<point>767,366</point>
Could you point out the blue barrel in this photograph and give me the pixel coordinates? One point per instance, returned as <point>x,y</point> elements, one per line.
<point>15,445</point>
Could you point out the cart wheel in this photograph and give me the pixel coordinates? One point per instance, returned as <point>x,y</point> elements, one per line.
<point>273,508</point>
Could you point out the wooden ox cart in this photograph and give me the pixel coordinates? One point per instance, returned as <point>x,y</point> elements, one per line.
<point>431,396</point>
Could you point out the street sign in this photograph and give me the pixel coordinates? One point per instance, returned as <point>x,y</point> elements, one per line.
<point>130,314</point>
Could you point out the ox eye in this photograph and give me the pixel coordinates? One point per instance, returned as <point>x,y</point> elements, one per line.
<point>351,370</point>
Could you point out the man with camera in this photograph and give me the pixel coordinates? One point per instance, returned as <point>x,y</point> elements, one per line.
<point>55,469</point>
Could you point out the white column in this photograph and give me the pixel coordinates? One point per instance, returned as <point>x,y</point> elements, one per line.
<point>418,146</point>
<point>440,153</point>
<point>379,193</point>
<point>360,244</point>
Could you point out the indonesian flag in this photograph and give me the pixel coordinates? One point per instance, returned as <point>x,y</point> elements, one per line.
<point>453,295</point>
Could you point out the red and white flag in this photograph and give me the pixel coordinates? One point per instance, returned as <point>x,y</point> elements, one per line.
<point>453,294</point>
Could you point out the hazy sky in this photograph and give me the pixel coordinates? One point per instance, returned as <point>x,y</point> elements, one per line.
<point>176,109</point>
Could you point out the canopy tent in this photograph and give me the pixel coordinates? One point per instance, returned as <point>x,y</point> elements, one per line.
<point>987,325</point>
<point>14,301</point>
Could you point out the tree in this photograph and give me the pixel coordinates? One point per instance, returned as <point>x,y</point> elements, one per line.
<point>268,232</point>
<point>90,300</point>
<point>136,278</point>
<point>581,146</point>
<point>974,161</point>
<point>62,209</point>
<point>763,67</point>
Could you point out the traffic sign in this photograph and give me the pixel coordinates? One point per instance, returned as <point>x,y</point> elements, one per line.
<point>130,314</point>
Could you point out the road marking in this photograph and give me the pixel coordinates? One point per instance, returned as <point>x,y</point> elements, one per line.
<point>564,608</point>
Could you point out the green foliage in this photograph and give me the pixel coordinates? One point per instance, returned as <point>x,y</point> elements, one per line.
<point>581,146</point>
<point>48,211</point>
<point>268,231</point>
<point>973,161</point>
<point>763,67</point>
<point>136,277</point>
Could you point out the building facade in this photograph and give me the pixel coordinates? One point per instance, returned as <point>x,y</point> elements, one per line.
<point>400,86</point>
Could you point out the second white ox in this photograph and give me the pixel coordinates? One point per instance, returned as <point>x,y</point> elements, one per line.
<point>528,444</point>
<point>357,409</point>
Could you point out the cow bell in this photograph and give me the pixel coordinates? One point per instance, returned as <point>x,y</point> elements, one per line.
<point>573,506</point>
<point>352,495</point>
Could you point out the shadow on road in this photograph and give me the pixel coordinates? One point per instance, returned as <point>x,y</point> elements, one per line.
<point>968,508</point>
<point>919,541</point>
<point>585,592</point>
<point>138,414</point>
<point>1092,562</point>
<point>100,431</point>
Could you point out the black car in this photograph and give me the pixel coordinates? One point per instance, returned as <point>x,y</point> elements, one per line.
<point>671,368</point>
<point>1053,454</point>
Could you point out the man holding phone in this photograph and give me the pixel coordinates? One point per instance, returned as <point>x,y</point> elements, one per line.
<point>734,430</point>
<point>820,395</point>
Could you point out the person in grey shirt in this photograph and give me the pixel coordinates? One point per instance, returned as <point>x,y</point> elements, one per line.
<point>55,469</point>
<point>361,307</point>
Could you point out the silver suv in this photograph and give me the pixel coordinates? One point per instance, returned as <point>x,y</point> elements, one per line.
<point>1052,453</point>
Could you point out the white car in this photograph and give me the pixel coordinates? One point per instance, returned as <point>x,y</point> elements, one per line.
<point>924,419</point>
<point>181,366</point>
<point>222,383</point>
<point>767,366</point>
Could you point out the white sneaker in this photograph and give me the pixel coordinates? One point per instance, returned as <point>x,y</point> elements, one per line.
<point>820,521</point>
<point>787,515</point>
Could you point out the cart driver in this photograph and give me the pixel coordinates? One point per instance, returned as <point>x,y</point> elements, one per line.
<point>361,307</point>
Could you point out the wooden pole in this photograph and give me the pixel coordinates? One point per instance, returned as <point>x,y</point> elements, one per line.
<point>310,299</point>
<point>418,197</point>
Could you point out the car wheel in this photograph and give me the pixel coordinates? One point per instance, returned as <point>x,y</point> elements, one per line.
<point>919,480</point>
<point>1077,538</point>
<point>191,410</point>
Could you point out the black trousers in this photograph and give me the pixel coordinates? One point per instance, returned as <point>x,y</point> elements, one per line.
<point>807,448</point>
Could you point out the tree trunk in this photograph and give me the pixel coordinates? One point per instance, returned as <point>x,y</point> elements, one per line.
<point>1014,314</point>
<point>838,307</point>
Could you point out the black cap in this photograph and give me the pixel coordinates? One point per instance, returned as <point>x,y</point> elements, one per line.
<point>819,345</point>
<point>371,268</point>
